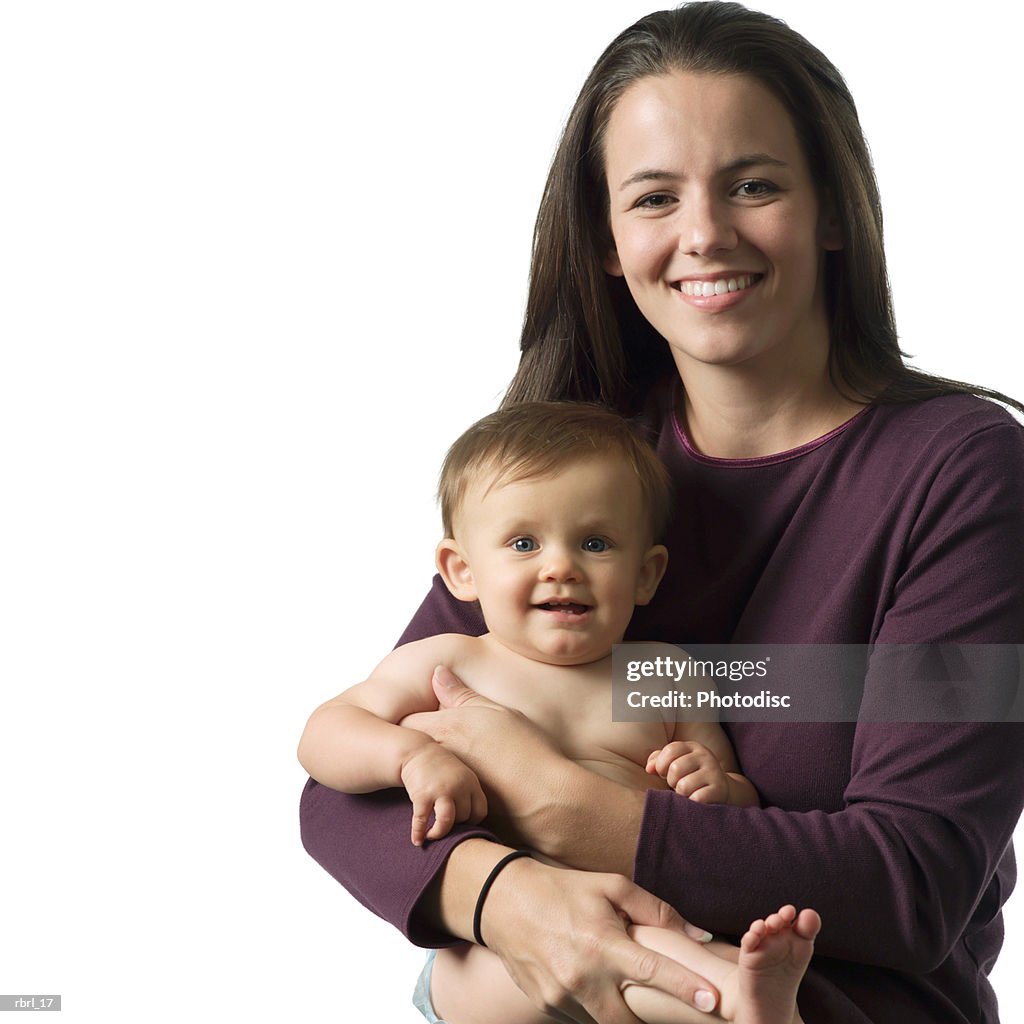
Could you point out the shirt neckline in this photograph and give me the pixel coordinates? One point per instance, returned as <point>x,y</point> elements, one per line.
<point>760,460</point>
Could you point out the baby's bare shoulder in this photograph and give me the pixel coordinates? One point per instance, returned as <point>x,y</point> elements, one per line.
<point>450,649</point>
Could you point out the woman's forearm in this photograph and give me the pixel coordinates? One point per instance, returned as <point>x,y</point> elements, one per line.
<point>566,833</point>
<point>363,842</point>
<point>536,796</point>
<point>588,822</point>
<point>449,903</point>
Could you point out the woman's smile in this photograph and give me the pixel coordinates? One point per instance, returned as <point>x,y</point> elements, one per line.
<point>714,293</point>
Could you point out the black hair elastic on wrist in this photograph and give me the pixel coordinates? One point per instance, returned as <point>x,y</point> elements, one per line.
<point>486,888</point>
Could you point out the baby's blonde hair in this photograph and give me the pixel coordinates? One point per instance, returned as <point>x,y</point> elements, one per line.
<point>535,439</point>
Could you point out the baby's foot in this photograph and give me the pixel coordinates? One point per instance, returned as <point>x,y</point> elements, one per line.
<point>774,955</point>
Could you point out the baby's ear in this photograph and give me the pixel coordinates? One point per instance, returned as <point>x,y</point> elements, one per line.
<point>455,570</point>
<point>651,570</point>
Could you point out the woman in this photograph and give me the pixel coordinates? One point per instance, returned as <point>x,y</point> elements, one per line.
<point>713,192</point>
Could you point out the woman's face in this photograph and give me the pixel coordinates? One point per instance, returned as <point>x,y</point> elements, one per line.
<point>717,225</point>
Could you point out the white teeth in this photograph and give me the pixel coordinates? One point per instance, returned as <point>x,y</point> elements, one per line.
<point>706,289</point>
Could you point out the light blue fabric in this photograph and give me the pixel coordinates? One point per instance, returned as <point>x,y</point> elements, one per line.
<point>421,994</point>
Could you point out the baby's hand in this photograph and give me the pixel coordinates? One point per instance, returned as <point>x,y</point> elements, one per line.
<point>438,781</point>
<point>691,770</point>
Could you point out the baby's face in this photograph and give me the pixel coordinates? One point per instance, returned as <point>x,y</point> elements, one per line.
<point>559,562</point>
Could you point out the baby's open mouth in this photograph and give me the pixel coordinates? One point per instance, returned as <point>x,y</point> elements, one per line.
<point>570,607</point>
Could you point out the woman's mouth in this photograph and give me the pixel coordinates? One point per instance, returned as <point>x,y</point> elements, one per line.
<point>718,294</point>
<point>720,286</point>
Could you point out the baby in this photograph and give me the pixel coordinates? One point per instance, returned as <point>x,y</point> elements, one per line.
<point>551,515</point>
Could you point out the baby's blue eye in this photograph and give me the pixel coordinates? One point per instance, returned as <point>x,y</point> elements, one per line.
<point>595,544</point>
<point>524,544</point>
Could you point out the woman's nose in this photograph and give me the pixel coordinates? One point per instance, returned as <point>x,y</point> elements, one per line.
<point>706,227</point>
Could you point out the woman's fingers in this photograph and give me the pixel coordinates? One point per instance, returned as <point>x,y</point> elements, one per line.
<point>657,971</point>
<point>562,936</point>
<point>452,692</point>
<point>643,907</point>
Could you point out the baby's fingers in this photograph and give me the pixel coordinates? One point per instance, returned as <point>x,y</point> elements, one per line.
<point>420,817</point>
<point>669,754</point>
<point>683,768</point>
<point>444,817</point>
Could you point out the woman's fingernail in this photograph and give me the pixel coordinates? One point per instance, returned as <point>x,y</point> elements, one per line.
<point>705,937</point>
<point>704,1001</point>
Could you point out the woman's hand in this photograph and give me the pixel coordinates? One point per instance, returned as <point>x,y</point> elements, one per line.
<point>536,797</point>
<point>561,935</point>
<point>512,757</point>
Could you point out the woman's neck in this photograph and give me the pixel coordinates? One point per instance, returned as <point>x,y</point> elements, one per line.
<point>739,413</point>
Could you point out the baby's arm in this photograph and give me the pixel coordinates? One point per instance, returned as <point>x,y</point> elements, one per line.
<point>699,763</point>
<point>353,743</point>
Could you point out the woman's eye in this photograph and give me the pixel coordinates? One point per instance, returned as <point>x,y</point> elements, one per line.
<point>655,201</point>
<point>754,189</point>
<point>595,545</point>
<point>524,544</point>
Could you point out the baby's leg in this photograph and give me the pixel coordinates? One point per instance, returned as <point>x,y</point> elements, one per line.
<point>758,982</point>
<point>470,985</point>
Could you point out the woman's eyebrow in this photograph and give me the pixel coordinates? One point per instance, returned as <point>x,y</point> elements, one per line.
<point>752,160</point>
<point>739,164</point>
<point>647,175</point>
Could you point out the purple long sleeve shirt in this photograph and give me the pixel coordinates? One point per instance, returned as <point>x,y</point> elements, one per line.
<point>904,526</point>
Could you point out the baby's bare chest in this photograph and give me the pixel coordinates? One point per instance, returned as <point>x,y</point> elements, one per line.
<point>573,707</point>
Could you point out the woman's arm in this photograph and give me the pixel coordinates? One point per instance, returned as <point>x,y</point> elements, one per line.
<point>916,856</point>
<point>363,842</point>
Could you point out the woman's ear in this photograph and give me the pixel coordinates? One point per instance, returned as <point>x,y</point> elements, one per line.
<point>611,263</point>
<point>455,570</point>
<point>651,571</point>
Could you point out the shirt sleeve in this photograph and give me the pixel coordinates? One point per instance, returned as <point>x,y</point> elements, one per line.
<point>363,841</point>
<point>917,859</point>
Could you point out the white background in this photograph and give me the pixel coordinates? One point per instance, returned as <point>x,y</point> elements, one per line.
<point>259,264</point>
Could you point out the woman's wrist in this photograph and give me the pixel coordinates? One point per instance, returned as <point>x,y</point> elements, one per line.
<point>590,823</point>
<point>451,900</point>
